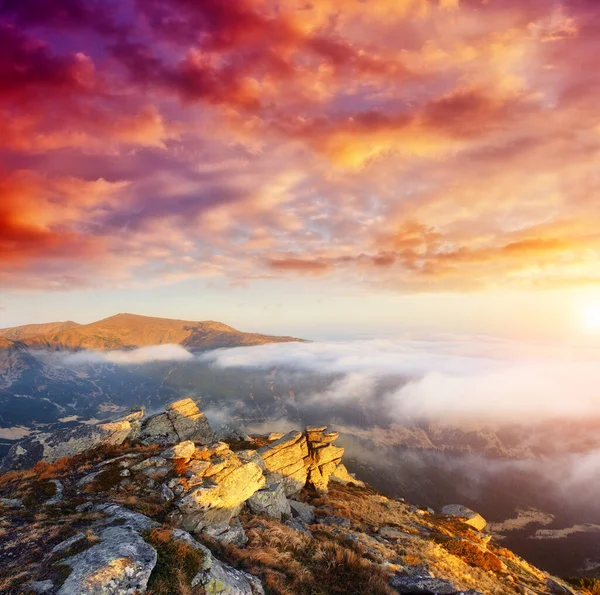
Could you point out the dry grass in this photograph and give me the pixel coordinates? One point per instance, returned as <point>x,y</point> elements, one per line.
<point>473,555</point>
<point>291,563</point>
<point>588,586</point>
<point>176,566</point>
<point>365,507</point>
<point>179,467</point>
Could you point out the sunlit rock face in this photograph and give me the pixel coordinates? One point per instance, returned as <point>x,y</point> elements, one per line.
<point>466,515</point>
<point>181,421</point>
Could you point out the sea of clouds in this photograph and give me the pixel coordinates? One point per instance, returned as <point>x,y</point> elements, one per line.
<point>450,378</point>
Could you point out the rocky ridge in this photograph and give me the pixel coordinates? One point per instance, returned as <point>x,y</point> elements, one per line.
<point>164,504</point>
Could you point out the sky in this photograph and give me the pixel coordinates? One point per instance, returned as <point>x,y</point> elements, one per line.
<point>337,169</point>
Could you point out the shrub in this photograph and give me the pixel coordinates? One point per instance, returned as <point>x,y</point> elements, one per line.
<point>107,478</point>
<point>473,555</point>
<point>38,493</point>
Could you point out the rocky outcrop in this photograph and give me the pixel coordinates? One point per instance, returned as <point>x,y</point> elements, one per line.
<point>120,563</point>
<point>284,460</point>
<point>466,515</point>
<point>181,421</point>
<point>66,442</point>
<point>297,458</point>
<point>216,492</point>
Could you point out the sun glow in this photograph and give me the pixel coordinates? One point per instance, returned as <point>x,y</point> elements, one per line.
<point>590,318</point>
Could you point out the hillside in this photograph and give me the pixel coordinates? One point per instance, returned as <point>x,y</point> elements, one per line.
<point>20,333</point>
<point>126,331</point>
<point>167,505</point>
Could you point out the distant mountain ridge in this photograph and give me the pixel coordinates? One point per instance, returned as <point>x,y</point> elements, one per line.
<point>127,331</point>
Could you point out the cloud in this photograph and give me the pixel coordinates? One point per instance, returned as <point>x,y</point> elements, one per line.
<point>452,381</point>
<point>143,355</point>
<point>402,145</point>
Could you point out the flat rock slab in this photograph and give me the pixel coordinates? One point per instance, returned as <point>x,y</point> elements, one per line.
<point>120,563</point>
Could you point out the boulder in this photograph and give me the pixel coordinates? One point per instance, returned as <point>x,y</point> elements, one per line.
<point>11,503</point>
<point>229,534</point>
<point>120,563</point>
<point>466,515</point>
<point>341,475</point>
<point>335,520</point>
<point>220,498</point>
<point>391,533</point>
<point>40,586</point>
<point>270,501</point>
<point>181,421</point>
<point>183,450</point>
<point>305,512</point>
<point>127,518</point>
<point>65,442</point>
<point>158,429</point>
<point>422,584</point>
<point>218,578</point>
<point>189,422</point>
<point>166,493</point>
<point>231,432</point>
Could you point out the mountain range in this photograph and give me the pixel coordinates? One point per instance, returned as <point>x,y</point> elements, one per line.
<point>127,331</point>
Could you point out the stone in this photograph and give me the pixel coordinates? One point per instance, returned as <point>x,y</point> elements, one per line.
<point>40,586</point>
<point>335,520</point>
<point>216,501</point>
<point>391,533</point>
<point>166,493</point>
<point>559,587</point>
<point>466,515</point>
<point>297,524</point>
<point>158,429</point>
<point>65,442</point>
<point>422,584</point>
<point>218,578</point>
<point>275,436</point>
<point>197,468</point>
<point>341,475</point>
<point>120,563</point>
<point>305,512</point>
<point>11,503</point>
<point>133,414</point>
<point>67,543</point>
<point>251,456</point>
<point>189,422</point>
<point>326,454</point>
<point>330,436</point>
<point>183,450</point>
<point>228,534</point>
<point>231,432</point>
<point>149,462</point>
<point>86,479</point>
<point>270,501</point>
<point>127,518</point>
<point>155,472</point>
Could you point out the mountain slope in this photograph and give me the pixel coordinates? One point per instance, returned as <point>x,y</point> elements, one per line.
<point>125,331</point>
<point>19,333</point>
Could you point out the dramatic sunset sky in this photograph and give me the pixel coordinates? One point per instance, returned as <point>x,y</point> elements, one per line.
<point>319,168</point>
